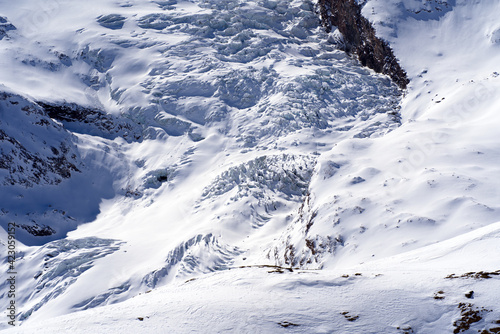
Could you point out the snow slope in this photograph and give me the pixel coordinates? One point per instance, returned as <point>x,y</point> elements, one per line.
<point>408,293</point>
<point>437,172</point>
<point>181,69</point>
<point>247,140</point>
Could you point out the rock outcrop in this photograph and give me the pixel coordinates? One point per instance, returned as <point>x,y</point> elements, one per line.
<point>5,26</point>
<point>359,38</point>
<point>91,121</point>
<point>34,150</point>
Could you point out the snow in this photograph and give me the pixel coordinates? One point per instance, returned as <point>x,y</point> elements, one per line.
<point>247,140</point>
<point>396,292</point>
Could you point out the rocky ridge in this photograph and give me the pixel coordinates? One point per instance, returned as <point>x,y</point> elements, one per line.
<point>359,38</point>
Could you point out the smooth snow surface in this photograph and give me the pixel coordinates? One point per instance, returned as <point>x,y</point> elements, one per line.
<point>228,137</point>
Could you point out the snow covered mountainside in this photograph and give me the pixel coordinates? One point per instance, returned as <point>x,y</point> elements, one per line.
<point>223,166</point>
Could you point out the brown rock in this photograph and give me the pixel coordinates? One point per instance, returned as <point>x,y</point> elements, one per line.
<point>360,39</point>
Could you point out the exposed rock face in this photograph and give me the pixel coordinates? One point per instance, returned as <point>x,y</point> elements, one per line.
<point>28,168</point>
<point>33,148</point>
<point>359,38</point>
<point>79,119</point>
<point>5,26</point>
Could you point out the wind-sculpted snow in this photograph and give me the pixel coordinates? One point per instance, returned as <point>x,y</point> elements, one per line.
<point>111,296</point>
<point>205,117</point>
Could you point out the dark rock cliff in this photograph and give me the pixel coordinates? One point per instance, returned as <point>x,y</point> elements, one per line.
<point>5,26</point>
<point>359,38</point>
<point>34,150</point>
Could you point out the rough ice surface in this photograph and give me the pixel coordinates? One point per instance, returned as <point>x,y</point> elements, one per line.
<point>59,264</point>
<point>198,255</point>
<point>221,153</point>
<point>289,175</point>
<point>112,21</point>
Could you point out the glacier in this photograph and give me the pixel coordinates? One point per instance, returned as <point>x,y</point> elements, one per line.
<point>176,164</point>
